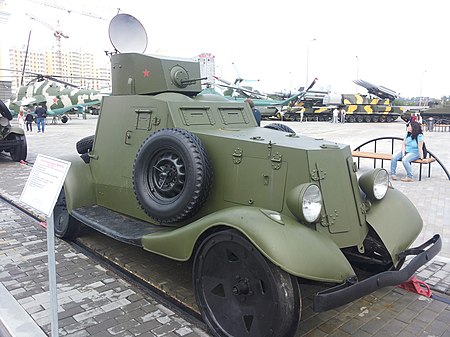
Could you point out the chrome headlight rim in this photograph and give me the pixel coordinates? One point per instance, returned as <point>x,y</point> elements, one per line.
<point>375,183</point>
<point>305,202</point>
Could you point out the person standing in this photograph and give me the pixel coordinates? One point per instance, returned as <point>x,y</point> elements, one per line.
<point>412,149</point>
<point>21,120</point>
<point>419,118</point>
<point>335,115</point>
<point>255,111</point>
<point>29,121</point>
<point>343,113</point>
<point>41,114</point>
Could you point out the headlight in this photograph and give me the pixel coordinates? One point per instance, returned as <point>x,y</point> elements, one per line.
<point>374,183</point>
<point>305,202</point>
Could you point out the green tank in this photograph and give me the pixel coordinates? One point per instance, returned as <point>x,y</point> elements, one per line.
<point>438,111</point>
<point>258,210</point>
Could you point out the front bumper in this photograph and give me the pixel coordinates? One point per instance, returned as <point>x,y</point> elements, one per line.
<point>352,289</point>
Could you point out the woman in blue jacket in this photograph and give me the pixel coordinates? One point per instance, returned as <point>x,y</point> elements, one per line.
<point>411,150</point>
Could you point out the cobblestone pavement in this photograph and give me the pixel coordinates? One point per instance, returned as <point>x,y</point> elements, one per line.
<point>94,301</point>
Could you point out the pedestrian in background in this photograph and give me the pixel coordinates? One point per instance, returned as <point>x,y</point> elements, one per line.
<point>41,114</point>
<point>29,121</point>
<point>343,113</point>
<point>21,120</point>
<point>335,116</point>
<point>255,111</point>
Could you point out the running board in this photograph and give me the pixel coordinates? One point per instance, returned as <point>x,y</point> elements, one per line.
<point>116,225</point>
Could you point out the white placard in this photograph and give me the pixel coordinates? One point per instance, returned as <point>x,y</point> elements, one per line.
<point>44,183</point>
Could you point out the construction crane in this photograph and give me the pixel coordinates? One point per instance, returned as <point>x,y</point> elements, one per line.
<point>53,5</point>
<point>58,35</point>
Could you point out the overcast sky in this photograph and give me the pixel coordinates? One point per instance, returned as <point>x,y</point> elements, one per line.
<point>399,44</point>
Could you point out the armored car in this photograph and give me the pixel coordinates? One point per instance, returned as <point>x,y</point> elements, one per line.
<point>257,210</point>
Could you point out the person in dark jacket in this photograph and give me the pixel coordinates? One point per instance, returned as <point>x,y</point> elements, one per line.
<point>41,114</point>
<point>29,121</point>
<point>255,111</point>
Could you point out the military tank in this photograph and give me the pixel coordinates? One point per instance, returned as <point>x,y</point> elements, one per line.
<point>257,210</point>
<point>376,107</point>
<point>439,111</point>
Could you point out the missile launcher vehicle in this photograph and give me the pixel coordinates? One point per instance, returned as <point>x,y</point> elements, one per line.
<point>359,108</point>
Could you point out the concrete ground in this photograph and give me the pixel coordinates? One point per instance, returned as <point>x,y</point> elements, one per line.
<point>94,301</point>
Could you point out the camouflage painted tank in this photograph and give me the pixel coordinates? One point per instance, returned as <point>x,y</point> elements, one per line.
<point>359,108</point>
<point>258,210</point>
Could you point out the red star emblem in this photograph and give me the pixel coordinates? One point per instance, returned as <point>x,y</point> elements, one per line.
<point>55,100</point>
<point>146,73</point>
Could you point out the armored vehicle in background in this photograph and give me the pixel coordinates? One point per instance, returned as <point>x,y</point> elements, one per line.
<point>359,108</point>
<point>257,210</point>
<point>438,110</point>
<point>12,138</point>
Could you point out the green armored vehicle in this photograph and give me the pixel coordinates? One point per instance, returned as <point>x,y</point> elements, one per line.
<point>12,138</point>
<point>257,210</point>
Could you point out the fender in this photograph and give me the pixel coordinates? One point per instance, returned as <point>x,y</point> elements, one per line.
<point>292,246</point>
<point>17,130</point>
<point>78,186</point>
<point>396,221</point>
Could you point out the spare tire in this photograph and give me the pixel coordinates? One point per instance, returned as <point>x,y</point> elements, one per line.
<point>4,111</point>
<point>84,145</point>
<point>172,175</point>
<point>279,127</point>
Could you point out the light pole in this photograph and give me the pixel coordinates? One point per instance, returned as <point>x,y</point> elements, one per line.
<point>307,61</point>
<point>421,86</point>
<point>357,72</point>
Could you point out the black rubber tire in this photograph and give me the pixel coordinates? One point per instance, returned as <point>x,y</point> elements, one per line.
<point>241,293</point>
<point>172,175</point>
<point>18,152</point>
<point>279,127</point>
<point>85,144</point>
<point>66,227</point>
<point>64,119</point>
<point>4,111</point>
<point>351,119</point>
<point>86,158</point>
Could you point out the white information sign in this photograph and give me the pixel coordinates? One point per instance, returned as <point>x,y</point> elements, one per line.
<point>44,183</point>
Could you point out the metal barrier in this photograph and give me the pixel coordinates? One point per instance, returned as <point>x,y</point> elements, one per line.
<point>392,141</point>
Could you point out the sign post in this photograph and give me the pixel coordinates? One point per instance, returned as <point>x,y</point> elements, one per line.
<point>41,192</point>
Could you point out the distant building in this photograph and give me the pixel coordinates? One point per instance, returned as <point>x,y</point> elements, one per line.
<point>207,67</point>
<point>5,90</point>
<point>4,16</point>
<point>77,67</point>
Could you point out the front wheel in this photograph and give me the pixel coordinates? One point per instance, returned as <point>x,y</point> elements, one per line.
<point>240,292</point>
<point>64,119</point>
<point>65,226</point>
<point>19,151</point>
